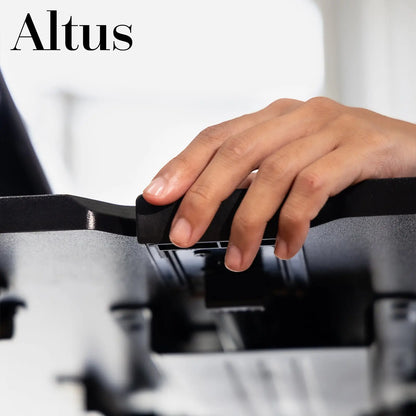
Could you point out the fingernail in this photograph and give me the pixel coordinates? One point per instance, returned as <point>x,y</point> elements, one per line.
<point>280,249</point>
<point>181,232</point>
<point>157,187</point>
<point>233,258</point>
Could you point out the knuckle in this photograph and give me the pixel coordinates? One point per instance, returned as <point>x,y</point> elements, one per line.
<point>213,135</point>
<point>181,162</point>
<point>342,125</point>
<point>345,120</point>
<point>271,170</point>
<point>321,104</point>
<point>282,104</point>
<point>246,222</point>
<point>310,181</point>
<point>199,194</point>
<point>291,216</point>
<point>235,149</point>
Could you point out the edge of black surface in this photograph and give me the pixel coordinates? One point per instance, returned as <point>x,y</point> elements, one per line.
<point>374,197</point>
<point>64,213</point>
<point>151,223</point>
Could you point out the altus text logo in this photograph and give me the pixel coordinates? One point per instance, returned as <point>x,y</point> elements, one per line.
<point>62,36</point>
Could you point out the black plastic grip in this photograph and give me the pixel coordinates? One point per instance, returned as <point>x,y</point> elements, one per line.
<point>369,198</point>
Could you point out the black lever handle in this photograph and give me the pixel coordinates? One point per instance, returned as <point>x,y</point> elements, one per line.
<point>369,198</point>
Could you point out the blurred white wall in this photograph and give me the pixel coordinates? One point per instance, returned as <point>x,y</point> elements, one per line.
<point>370,54</point>
<point>104,122</point>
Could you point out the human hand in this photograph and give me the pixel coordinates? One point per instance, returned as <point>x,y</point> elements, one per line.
<point>304,152</point>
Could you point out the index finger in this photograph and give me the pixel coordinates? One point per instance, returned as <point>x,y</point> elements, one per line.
<point>175,178</point>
